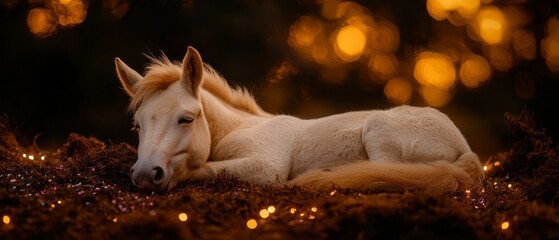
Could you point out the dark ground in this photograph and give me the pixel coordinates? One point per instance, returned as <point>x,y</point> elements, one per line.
<point>82,190</point>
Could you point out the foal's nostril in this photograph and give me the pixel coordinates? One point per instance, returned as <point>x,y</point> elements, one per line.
<point>159,175</point>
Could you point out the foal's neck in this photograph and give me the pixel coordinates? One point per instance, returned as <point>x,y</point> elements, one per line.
<point>221,118</point>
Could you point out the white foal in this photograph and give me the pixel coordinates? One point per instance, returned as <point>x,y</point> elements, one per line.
<point>192,125</point>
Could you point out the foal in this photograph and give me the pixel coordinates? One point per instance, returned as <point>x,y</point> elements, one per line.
<point>192,125</point>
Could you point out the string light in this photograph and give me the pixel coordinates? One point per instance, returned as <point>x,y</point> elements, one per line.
<point>42,158</point>
<point>505,225</point>
<point>6,219</point>
<point>24,155</point>
<point>314,209</point>
<point>485,168</point>
<point>292,210</point>
<point>183,217</point>
<point>115,219</point>
<point>333,192</point>
<point>31,157</point>
<point>59,202</point>
<point>271,209</point>
<point>251,224</point>
<point>264,213</point>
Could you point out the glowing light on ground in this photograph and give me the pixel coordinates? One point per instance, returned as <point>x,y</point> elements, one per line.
<point>183,217</point>
<point>6,219</point>
<point>505,225</point>
<point>491,24</point>
<point>271,209</point>
<point>474,71</point>
<point>350,43</point>
<point>435,69</point>
<point>398,91</point>
<point>252,224</point>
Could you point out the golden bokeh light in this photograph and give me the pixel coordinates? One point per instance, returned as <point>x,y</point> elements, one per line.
<point>305,31</point>
<point>6,219</point>
<point>435,69</point>
<point>550,44</point>
<point>350,42</point>
<point>474,71</point>
<point>70,12</point>
<point>443,9</point>
<point>329,9</point>
<point>251,224</point>
<point>500,57</point>
<point>383,66</point>
<point>271,209</point>
<point>491,25</point>
<point>41,22</point>
<point>183,217</point>
<point>118,8</point>
<point>505,225</point>
<point>436,9</point>
<point>524,44</point>
<point>264,213</point>
<point>435,97</point>
<point>385,37</point>
<point>398,91</point>
<point>468,8</point>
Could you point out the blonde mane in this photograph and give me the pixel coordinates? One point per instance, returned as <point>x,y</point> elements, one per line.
<point>161,73</point>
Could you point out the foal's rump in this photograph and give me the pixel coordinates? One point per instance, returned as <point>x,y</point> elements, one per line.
<point>436,177</point>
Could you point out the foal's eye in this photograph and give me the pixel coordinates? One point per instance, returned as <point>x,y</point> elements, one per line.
<point>185,120</point>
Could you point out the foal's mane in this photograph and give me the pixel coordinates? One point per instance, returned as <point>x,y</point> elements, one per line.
<point>161,73</point>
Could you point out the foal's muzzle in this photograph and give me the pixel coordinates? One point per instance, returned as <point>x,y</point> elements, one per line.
<point>148,179</point>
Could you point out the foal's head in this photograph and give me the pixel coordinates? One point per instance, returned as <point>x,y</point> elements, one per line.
<point>173,132</point>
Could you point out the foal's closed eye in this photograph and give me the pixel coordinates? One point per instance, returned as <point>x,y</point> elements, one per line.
<point>185,120</point>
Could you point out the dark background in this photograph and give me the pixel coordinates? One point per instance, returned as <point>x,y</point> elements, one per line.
<point>52,86</point>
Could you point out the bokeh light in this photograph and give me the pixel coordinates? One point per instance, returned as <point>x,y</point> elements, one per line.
<point>350,42</point>
<point>500,57</point>
<point>264,213</point>
<point>505,225</point>
<point>435,69</point>
<point>41,22</point>
<point>398,91</point>
<point>70,12</point>
<point>435,97</point>
<point>6,219</point>
<point>305,31</point>
<point>524,44</point>
<point>251,224</point>
<point>383,66</point>
<point>550,44</point>
<point>183,217</point>
<point>474,71</point>
<point>491,25</point>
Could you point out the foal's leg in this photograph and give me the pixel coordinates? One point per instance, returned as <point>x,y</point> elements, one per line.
<point>378,138</point>
<point>251,169</point>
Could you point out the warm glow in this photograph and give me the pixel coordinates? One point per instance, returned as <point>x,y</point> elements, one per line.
<point>305,31</point>
<point>251,224</point>
<point>468,8</point>
<point>329,8</point>
<point>385,37</point>
<point>435,69</point>
<point>383,66</point>
<point>350,41</point>
<point>314,209</point>
<point>71,13</point>
<point>6,219</point>
<point>31,157</point>
<point>183,217</point>
<point>500,57</point>
<point>264,213</point>
<point>475,70</point>
<point>42,158</point>
<point>491,25</point>
<point>435,97</point>
<point>292,210</point>
<point>271,209</point>
<point>115,219</point>
<point>398,91</point>
<point>524,44</point>
<point>59,202</point>
<point>505,225</point>
<point>550,44</point>
<point>40,22</point>
<point>484,168</point>
<point>436,10</point>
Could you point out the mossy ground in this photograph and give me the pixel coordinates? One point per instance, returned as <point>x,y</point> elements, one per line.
<point>82,191</point>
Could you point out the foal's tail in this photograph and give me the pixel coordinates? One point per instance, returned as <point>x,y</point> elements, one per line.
<point>436,177</point>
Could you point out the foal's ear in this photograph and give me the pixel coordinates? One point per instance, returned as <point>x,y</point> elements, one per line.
<point>128,77</point>
<point>192,70</point>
